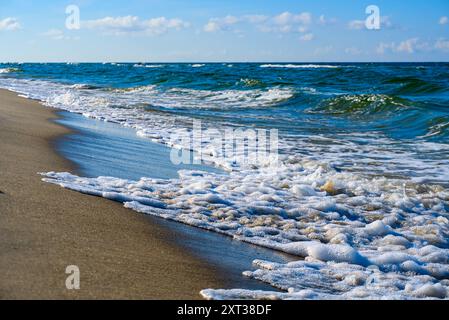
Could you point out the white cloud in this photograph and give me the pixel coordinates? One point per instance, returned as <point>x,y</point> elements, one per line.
<point>283,18</point>
<point>287,18</point>
<point>285,22</point>
<point>57,34</point>
<point>219,24</point>
<point>212,26</point>
<point>442,44</point>
<point>324,50</point>
<point>444,20</point>
<point>383,47</point>
<point>322,20</point>
<point>353,51</point>
<point>133,24</point>
<point>9,24</point>
<point>385,23</point>
<point>256,18</point>
<point>356,24</point>
<point>408,46</point>
<point>307,37</point>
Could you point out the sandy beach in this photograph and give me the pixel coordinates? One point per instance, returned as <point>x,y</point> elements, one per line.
<point>44,228</point>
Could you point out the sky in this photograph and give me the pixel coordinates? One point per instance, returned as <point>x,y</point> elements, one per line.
<point>222,31</point>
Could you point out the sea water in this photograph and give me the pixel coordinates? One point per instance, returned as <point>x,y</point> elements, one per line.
<point>361,192</point>
<point>100,148</point>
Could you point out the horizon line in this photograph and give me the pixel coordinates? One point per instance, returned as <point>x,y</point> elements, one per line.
<point>214,62</point>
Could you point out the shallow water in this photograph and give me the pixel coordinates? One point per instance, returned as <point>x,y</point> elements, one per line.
<point>99,148</point>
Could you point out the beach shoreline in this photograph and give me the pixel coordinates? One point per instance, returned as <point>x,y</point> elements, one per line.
<point>44,228</point>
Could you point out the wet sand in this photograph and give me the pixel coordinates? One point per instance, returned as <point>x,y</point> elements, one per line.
<point>44,228</point>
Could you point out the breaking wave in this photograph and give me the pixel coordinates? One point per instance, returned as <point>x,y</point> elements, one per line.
<point>365,104</point>
<point>415,86</point>
<point>10,70</point>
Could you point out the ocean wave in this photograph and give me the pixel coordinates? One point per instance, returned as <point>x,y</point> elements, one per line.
<point>134,108</point>
<point>206,99</point>
<point>140,89</point>
<point>73,96</point>
<point>250,82</point>
<point>197,65</point>
<point>10,70</point>
<point>151,66</point>
<point>229,99</point>
<point>83,86</point>
<point>300,66</point>
<point>414,86</point>
<point>364,104</point>
<point>438,127</point>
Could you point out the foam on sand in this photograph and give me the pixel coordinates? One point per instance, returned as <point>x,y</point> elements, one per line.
<point>368,240</point>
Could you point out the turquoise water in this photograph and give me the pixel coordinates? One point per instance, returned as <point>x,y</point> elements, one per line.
<point>376,117</point>
<point>405,101</point>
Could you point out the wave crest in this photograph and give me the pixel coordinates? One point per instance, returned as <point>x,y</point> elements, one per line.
<point>414,86</point>
<point>365,104</point>
<point>10,70</point>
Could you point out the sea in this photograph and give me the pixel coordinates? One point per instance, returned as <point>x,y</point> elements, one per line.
<point>359,192</point>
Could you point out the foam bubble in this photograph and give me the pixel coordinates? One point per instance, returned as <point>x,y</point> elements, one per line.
<point>367,241</point>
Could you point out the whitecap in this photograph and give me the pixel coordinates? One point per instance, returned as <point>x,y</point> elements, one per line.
<point>300,66</point>
<point>9,70</point>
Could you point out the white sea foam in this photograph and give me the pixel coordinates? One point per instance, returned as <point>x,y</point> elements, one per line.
<point>151,66</point>
<point>364,237</point>
<point>64,97</point>
<point>311,280</point>
<point>9,70</point>
<point>82,86</point>
<point>197,65</point>
<point>300,66</point>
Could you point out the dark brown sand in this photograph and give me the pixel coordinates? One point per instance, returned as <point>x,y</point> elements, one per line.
<point>44,228</point>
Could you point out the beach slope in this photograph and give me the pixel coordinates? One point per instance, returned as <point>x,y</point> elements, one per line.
<point>44,228</point>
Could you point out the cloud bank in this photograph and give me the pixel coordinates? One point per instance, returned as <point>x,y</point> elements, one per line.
<point>133,24</point>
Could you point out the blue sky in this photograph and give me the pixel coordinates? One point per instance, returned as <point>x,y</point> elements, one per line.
<point>231,30</point>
